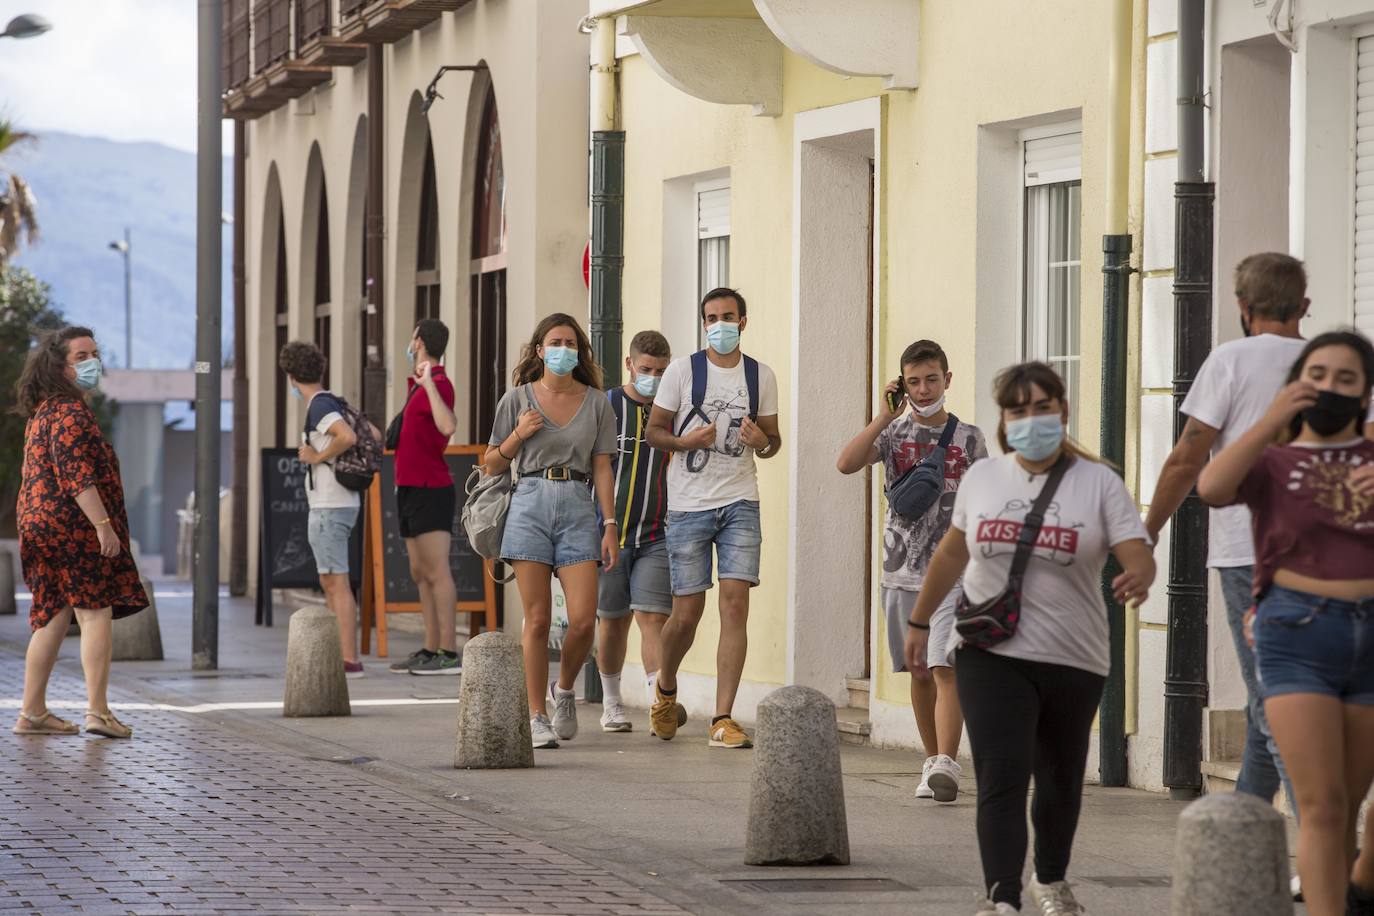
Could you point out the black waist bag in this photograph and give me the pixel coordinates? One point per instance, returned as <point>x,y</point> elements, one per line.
<point>913,493</point>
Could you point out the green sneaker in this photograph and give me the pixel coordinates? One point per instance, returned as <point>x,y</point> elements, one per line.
<point>439,662</point>
<point>405,664</point>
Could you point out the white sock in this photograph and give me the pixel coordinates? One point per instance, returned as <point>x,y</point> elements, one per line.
<point>560,692</point>
<point>610,688</point>
<point>651,679</point>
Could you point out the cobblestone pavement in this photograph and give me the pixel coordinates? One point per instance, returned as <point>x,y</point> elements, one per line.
<point>191,817</point>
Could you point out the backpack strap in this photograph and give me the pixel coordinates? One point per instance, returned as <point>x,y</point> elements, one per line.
<point>947,436</point>
<point>699,372</point>
<point>751,382</point>
<point>1035,518</point>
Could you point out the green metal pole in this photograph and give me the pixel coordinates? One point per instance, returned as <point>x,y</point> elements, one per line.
<point>1116,276</point>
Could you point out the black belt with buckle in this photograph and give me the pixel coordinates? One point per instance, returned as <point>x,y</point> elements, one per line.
<point>561,473</point>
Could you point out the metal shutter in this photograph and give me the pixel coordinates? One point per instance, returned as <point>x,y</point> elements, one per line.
<point>713,213</point>
<point>1364,187</point>
<point>1050,160</point>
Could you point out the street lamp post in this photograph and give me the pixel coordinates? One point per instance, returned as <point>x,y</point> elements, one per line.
<point>125,247</point>
<point>26,25</point>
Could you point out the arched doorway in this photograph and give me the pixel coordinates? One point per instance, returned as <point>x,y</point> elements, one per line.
<point>488,280</point>
<point>316,285</point>
<point>427,247</point>
<point>281,332</point>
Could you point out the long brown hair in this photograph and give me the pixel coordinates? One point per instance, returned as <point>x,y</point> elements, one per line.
<point>531,365</point>
<point>45,370</point>
<point>1012,388</point>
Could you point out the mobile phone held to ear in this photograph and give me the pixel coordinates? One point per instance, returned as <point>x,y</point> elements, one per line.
<point>894,398</point>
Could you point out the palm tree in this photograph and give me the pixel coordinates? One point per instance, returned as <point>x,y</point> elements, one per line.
<point>18,206</point>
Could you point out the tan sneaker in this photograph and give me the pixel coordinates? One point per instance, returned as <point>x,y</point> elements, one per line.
<point>727,733</point>
<point>663,716</point>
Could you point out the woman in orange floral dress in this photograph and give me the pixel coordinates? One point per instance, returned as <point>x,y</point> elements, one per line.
<point>73,532</point>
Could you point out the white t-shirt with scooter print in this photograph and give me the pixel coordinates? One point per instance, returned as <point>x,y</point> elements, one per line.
<point>706,479</point>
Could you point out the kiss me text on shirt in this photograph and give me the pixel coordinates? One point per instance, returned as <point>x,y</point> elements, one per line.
<point>1007,531</point>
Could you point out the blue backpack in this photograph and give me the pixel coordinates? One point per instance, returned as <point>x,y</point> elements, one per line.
<point>699,371</point>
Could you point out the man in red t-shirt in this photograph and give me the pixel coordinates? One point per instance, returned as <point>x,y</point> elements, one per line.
<point>426,497</point>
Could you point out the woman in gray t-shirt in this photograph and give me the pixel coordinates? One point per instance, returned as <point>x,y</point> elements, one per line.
<point>555,431</point>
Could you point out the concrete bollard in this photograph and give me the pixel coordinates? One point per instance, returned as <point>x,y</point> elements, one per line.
<point>137,638</point>
<point>796,797</point>
<point>1231,856</point>
<point>8,604</point>
<point>315,682</point>
<point>493,711</point>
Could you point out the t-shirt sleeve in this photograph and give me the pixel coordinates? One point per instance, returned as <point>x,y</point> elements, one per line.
<point>980,446</point>
<point>882,446</point>
<point>1252,489</point>
<point>669,395</point>
<point>325,410</point>
<point>445,389</point>
<point>1209,400</point>
<point>959,518</point>
<point>1120,515</point>
<point>768,392</point>
<point>507,415</point>
<point>605,430</point>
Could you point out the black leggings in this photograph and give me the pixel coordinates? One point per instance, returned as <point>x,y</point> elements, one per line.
<point>1026,718</point>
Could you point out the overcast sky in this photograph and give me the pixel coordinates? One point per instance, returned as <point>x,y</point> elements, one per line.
<point>123,69</point>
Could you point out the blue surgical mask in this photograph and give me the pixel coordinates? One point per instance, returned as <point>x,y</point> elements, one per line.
<point>410,355</point>
<point>88,373</point>
<point>296,393</point>
<point>647,385</point>
<point>723,336</point>
<point>1036,438</point>
<point>560,360</point>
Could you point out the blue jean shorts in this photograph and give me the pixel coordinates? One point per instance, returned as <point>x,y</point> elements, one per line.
<point>551,522</point>
<point>735,532</point>
<point>639,582</point>
<point>1308,644</point>
<point>328,531</point>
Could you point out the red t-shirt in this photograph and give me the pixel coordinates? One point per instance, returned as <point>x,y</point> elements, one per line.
<point>1306,517</point>
<point>420,453</point>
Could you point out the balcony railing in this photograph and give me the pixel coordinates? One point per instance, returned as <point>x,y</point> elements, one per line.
<point>312,21</point>
<point>271,33</point>
<point>237,39</point>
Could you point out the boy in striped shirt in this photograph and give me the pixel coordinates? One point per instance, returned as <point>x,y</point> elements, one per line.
<point>639,584</point>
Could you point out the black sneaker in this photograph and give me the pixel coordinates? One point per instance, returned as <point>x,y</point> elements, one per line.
<point>440,662</point>
<point>415,658</point>
<point>1358,901</point>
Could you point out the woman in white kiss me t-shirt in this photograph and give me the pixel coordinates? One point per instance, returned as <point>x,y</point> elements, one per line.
<point>1030,701</point>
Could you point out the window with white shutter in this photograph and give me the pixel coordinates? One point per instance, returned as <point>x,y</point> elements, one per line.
<point>1364,187</point>
<point>713,239</point>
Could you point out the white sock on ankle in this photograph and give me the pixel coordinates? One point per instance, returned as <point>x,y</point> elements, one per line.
<point>651,679</point>
<point>610,688</point>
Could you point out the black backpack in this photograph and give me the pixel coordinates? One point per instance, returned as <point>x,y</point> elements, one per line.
<point>912,494</point>
<point>359,464</point>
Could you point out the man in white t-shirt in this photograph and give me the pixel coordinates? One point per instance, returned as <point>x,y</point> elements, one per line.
<point>1234,387</point>
<point>715,411</point>
<point>333,507</point>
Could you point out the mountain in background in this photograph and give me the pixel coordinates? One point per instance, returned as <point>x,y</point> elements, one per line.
<point>88,190</point>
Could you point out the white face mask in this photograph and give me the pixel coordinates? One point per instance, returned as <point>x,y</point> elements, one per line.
<point>931,410</point>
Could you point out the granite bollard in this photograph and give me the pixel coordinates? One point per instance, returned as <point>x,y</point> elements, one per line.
<point>137,638</point>
<point>8,604</point>
<point>493,712</point>
<point>315,682</point>
<point>796,796</point>
<point>1231,856</point>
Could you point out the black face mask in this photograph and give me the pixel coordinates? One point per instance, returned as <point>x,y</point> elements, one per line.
<point>1244,325</point>
<point>1332,412</point>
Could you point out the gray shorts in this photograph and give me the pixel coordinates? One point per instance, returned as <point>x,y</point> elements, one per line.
<point>897,605</point>
<point>328,531</point>
<point>639,582</point>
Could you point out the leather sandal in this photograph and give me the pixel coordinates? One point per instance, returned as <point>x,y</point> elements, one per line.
<point>44,724</point>
<point>109,726</point>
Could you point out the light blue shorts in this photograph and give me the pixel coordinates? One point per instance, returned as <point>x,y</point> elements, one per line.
<point>735,532</point>
<point>328,531</point>
<point>551,522</point>
<point>639,582</point>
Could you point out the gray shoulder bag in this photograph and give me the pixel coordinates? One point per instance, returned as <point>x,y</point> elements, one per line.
<point>488,500</point>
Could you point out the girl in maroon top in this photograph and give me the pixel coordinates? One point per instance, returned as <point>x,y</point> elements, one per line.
<point>73,533</point>
<point>1312,501</point>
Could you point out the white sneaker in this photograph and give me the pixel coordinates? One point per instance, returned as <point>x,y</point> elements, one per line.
<point>988,908</point>
<point>541,732</point>
<point>923,789</point>
<point>943,778</point>
<point>613,719</point>
<point>1053,899</point>
<point>564,714</point>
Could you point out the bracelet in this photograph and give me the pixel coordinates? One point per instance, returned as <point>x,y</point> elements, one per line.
<point>501,453</point>
<point>917,626</point>
<point>609,521</point>
<point>103,521</point>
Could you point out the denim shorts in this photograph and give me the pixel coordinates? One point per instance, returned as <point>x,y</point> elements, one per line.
<point>639,582</point>
<point>735,532</point>
<point>328,531</point>
<point>1308,644</point>
<point>551,522</point>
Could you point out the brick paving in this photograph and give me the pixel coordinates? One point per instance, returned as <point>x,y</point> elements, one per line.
<point>190,817</point>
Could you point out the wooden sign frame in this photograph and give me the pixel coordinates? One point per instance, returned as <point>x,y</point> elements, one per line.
<point>375,607</point>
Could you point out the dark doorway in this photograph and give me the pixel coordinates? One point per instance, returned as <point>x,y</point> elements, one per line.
<point>488,356</point>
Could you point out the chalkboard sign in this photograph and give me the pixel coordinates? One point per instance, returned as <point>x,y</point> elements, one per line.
<point>284,556</point>
<point>390,587</point>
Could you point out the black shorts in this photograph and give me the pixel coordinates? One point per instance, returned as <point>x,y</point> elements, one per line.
<point>425,509</point>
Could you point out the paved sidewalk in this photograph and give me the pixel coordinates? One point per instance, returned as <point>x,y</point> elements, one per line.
<point>219,802</point>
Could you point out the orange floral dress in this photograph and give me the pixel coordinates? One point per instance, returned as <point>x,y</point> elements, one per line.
<point>64,453</point>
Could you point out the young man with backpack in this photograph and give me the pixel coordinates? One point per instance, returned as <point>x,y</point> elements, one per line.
<point>638,586</point>
<point>904,440</point>
<point>426,498</point>
<point>333,507</point>
<point>715,411</point>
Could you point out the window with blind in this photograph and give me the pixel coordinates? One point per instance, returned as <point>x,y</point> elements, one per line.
<point>1052,234</point>
<point>713,241</point>
<point>1363,236</point>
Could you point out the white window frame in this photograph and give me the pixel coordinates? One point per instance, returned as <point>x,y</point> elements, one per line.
<point>699,235</point>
